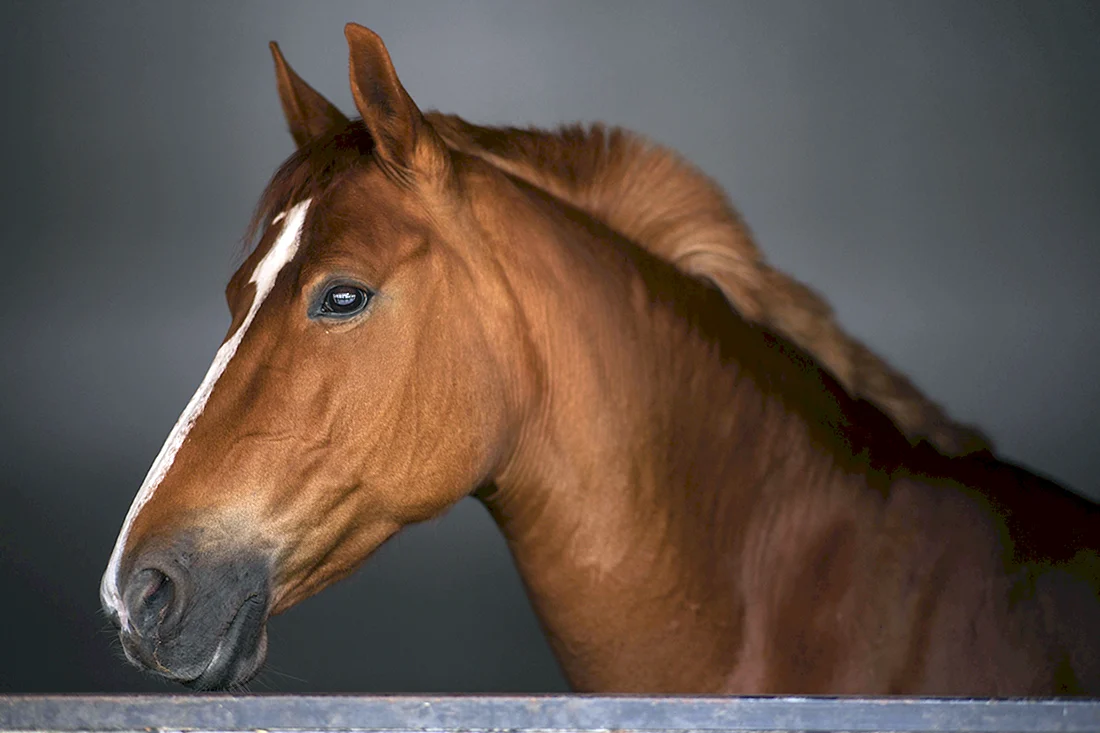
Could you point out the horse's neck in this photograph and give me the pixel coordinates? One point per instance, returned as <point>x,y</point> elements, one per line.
<point>628,502</point>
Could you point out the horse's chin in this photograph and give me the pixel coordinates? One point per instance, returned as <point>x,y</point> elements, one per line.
<point>239,653</point>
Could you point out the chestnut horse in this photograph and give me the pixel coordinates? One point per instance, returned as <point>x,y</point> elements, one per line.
<point>707,486</point>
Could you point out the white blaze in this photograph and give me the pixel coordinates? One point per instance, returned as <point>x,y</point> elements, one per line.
<point>281,252</point>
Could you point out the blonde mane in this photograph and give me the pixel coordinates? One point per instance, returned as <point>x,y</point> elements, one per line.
<point>664,204</point>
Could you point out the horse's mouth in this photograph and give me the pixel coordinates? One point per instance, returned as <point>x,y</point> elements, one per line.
<point>240,651</point>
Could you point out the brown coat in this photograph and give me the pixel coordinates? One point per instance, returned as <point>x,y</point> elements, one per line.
<point>706,489</point>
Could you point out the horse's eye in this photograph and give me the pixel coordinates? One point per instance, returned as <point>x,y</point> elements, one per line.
<point>344,300</point>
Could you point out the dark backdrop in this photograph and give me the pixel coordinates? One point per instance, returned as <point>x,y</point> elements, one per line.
<point>933,167</point>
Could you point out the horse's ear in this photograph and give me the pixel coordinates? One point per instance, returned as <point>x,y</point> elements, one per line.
<point>308,114</point>
<point>396,124</point>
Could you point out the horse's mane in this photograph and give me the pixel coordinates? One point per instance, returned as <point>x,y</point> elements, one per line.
<point>656,199</point>
<point>662,203</point>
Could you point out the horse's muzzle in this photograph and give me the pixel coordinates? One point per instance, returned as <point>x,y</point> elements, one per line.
<point>196,616</point>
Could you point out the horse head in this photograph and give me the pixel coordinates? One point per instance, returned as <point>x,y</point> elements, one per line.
<point>363,385</point>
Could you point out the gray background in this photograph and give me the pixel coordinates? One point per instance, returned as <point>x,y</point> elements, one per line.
<point>933,167</point>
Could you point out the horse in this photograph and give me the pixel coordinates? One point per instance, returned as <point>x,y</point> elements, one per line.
<point>705,483</point>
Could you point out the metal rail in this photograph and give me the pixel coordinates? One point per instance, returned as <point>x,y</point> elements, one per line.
<point>541,713</point>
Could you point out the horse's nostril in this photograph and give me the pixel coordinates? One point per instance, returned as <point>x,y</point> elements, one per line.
<point>152,597</point>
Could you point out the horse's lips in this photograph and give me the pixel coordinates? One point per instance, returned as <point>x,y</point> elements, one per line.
<point>224,668</point>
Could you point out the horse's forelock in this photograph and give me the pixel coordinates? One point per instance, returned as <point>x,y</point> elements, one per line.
<point>308,172</point>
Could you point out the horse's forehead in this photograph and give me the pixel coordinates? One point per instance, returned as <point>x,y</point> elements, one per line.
<point>368,197</point>
<point>368,215</point>
<point>363,216</point>
<point>270,239</point>
<point>278,245</point>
